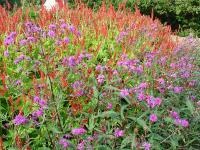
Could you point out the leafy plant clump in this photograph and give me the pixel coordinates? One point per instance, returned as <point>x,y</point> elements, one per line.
<point>79,79</point>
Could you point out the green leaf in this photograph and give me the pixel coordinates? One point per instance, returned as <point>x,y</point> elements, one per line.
<point>190,106</point>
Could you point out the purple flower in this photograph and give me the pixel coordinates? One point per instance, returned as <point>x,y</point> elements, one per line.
<point>23,42</point>
<point>51,34</point>
<point>178,121</point>
<point>178,89</point>
<point>8,41</point>
<point>124,92</point>
<point>153,118</point>
<point>18,82</point>
<point>148,64</point>
<point>81,145</point>
<point>141,96</point>
<point>19,119</point>
<point>109,106</point>
<point>64,61</point>
<point>72,61</point>
<point>99,68</point>
<point>146,146</point>
<point>31,39</point>
<point>64,142</point>
<point>172,65</point>
<point>174,115</point>
<point>66,40</point>
<point>6,53</point>
<point>64,25</point>
<point>38,113</point>
<point>77,84</point>
<point>36,99</point>
<point>184,123</point>
<point>100,78</point>
<point>161,81</point>
<point>193,98</point>
<point>78,131</point>
<point>119,133</point>
<point>52,26</point>
<point>72,28</point>
<point>192,83</point>
<point>43,103</point>
<point>143,85</point>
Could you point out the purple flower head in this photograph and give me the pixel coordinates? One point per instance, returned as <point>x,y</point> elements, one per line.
<point>64,142</point>
<point>72,61</point>
<point>51,34</point>
<point>79,93</point>
<point>157,101</point>
<point>178,89</point>
<point>153,118</point>
<point>99,68</point>
<point>119,133</point>
<point>36,99</point>
<point>78,34</point>
<point>88,56</point>
<point>174,115</point>
<point>22,42</point>
<point>31,39</point>
<point>8,41</point>
<point>77,84</point>
<point>28,24</point>
<point>66,40</point>
<point>184,123</point>
<point>12,34</point>
<point>81,145</point>
<point>64,26</point>
<point>90,138</point>
<point>19,119</point>
<point>192,83</point>
<point>193,98</point>
<point>100,78</point>
<point>141,96</point>
<point>109,106</point>
<point>64,61</point>
<point>18,82</point>
<point>161,81</point>
<point>6,53</point>
<point>177,121</point>
<point>16,61</point>
<point>124,92</point>
<point>72,28</point>
<point>38,113</point>
<point>146,146</point>
<point>172,65</point>
<point>78,131</point>
<point>143,85</point>
<point>43,103</point>
<point>148,64</point>
<point>139,69</point>
<point>52,26</point>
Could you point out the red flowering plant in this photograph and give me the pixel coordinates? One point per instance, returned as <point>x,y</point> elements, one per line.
<point>79,79</point>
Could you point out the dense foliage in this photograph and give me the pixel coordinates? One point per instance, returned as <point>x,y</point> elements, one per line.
<point>182,15</point>
<point>79,79</point>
